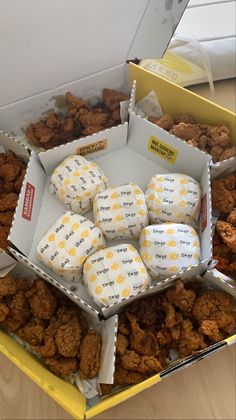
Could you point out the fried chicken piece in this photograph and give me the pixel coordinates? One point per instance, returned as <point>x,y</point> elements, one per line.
<point>112,98</point>
<point>106,389</point>
<point>164,337</point>
<point>203,143</point>
<point>8,187</point>
<point>3,237</point>
<point>190,340</point>
<point>32,332</point>
<point>185,118</point>
<point>149,312</point>
<point>127,377</point>
<point>230,182</point>
<point>62,366</point>
<point>90,355</point>
<point>222,250</point>
<point>6,218</point>
<point>142,342</point>
<point>91,118</point>
<point>227,233</point>
<point>220,135</point>
<point>216,306</point>
<point>19,312</point>
<point>4,311</point>
<point>68,125</point>
<point>230,219</point>
<point>186,131</point>
<point>228,153</point>
<point>8,202</point>
<point>42,301</point>
<point>10,157</point>
<point>223,264</point>
<point>170,319</point>
<point>68,337</point>
<point>193,142</point>
<point>30,135</point>
<point>42,132</point>
<point>9,172</point>
<point>122,343</point>
<point>123,324</point>
<point>68,311</point>
<point>216,152</point>
<point>166,121</point>
<point>53,121</point>
<point>19,181</point>
<point>88,131</point>
<point>222,199</point>
<point>233,193</point>
<point>76,102</point>
<point>7,286</point>
<point>211,330</point>
<point>180,297</point>
<point>48,347</point>
<point>23,283</point>
<point>143,364</point>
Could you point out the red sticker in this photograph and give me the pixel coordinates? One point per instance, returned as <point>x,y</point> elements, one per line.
<point>204,212</point>
<point>28,201</point>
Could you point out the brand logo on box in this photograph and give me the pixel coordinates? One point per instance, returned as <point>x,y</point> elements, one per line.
<point>28,201</point>
<point>163,150</point>
<point>88,149</point>
<point>204,212</point>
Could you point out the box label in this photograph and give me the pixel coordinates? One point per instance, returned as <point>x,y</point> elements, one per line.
<point>204,212</point>
<point>162,150</point>
<point>88,149</point>
<point>28,201</point>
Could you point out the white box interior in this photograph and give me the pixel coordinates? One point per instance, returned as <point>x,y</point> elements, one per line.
<point>121,163</point>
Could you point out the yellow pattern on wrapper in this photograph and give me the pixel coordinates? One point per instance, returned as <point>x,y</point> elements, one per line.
<point>115,274</point>
<point>164,257</point>
<point>76,181</point>
<point>121,212</point>
<point>66,246</point>
<point>173,198</point>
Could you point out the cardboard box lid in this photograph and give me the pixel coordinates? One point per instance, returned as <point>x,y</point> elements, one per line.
<point>45,44</point>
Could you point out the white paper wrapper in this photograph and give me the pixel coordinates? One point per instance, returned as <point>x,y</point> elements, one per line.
<point>114,274</point>
<point>68,243</point>
<point>121,212</point>
<point>173,198</point>
<point>149,106</point>
<point>169,248</point>
<point>76,181</point>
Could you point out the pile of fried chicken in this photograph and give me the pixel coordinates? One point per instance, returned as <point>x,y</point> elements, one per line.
<point>51,324</point>
<point>81,119</point>
<point>12,172</point>
<point>224,239</point>
<point>214,140</point>
<point>185,318</point>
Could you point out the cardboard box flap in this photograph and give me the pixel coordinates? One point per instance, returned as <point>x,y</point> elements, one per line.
<point>77,38</point>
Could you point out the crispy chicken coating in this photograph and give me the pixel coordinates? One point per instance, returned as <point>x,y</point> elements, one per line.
<point>232,217</point>
<point>90,355</point>
<point>185,118</point>
<point>6,218</point>
<point>190,340</point>
<point>166,121</point>
<point>19,181</point>
<point>19,312</point>
<point>227,233</point>
<point>216,306</point>
<point>112,98</point>
<point>32,332</point>
<point>42,302</point>
<point>61,366</point>
<point>76,102</point>
<point>7,286</point>
<point>228,153</point>
<point>216,153</point>
<point>180,297</point>
<point>122,344</point>
<point>53,121</point>
<point>143,364</point>
<point>142,342</point>
<point>123,325</point>
<point>222,199</point>
<point>91,118</point>
<point>230,182</point>
<point>9,172</point>
<point>220,135</point>
<point>186,131</point>
<point>4,311</point>
<point>210,328</point>
<point>164,337</point>
<point>3,237</point>
<point>127,377</point>
<point>149,311</point>
<point>8,202</point>
<point>68,337</point>
<point>47,347</point>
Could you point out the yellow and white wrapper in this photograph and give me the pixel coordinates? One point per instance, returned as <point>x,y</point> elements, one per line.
<point>115,274</point>
<point>173,198</point>
<point>169,248</point>
<point>76,181</point>
<point>67,245</point>
<point>121,212</point>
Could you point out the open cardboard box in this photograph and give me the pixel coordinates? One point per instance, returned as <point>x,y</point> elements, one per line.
<point>220,170</point>
<point>67,395</point>
<point>101,37</point>
<point>8,143</point>
<point>38,209</point>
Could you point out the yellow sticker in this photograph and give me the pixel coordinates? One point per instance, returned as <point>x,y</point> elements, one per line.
<point>88,149</point>
<point>163,150</point>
